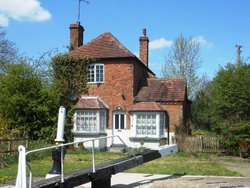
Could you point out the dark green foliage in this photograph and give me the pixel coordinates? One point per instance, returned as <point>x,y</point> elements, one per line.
<point>223,106</point>
<point>70,77</point>
<point>70,74</point>
<point>231,92</point>
<point>201,108</point>
<point>236,136</point>
<point>29,102</point>
<point>33,90</point>
<point>25,103</point>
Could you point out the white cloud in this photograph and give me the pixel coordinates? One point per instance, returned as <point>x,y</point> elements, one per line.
<point>3,21</point>
<point>160,43</point>
<point>22,10</point>
<point>201,39</point>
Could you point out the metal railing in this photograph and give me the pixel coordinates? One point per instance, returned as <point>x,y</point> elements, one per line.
<point>22,162</point>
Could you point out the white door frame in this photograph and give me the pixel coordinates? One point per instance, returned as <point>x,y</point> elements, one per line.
<point>119,129</point>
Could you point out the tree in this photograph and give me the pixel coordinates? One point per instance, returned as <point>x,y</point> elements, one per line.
<point>223,106</point>
<point>201,107</point>
<point>231,94</point>
<point>25,103</point>
<point>183,61</point>
<point>8,52</point>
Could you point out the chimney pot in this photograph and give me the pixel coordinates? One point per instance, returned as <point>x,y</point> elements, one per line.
<point>144,32</point>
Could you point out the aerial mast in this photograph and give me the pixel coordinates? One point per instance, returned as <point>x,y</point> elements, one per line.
<point>238,54</point>
<point>79,7</point>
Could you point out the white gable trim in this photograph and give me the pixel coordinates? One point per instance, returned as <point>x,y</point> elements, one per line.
<point>95,97</point>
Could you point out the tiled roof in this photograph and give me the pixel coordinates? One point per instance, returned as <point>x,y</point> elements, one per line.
<point>146,106</point>
<point>90,103</point>
<point>162,90</point>
<point>104,46</point>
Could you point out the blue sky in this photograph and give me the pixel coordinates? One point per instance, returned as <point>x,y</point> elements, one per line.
<point>39,26</point>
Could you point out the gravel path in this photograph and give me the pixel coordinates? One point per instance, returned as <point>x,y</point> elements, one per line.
<point>241,167</point>
<point>134,180</point>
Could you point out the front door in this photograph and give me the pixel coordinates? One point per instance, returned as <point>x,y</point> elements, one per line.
<point>119,127</point>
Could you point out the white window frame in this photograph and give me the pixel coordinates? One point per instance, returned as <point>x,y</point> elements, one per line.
<point>94,71</point>
<point>90,121</point>
<point>119,113</point>
<point>160,124</point>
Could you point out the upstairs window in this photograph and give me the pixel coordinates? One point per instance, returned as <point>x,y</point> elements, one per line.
<point>96,73</point>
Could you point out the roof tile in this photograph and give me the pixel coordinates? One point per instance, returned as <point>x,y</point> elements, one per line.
<point>163,90</point>
<point>104,46</point>
<point>146,106</point>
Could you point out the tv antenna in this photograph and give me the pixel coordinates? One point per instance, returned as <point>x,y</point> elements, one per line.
<point>79,7</point>
<point>238,54</point>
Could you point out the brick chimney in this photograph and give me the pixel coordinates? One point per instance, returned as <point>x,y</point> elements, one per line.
<point>144,47</point>
<point>76,35</point>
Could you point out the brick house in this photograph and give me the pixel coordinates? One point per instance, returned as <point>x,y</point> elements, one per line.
<point>124,97</point>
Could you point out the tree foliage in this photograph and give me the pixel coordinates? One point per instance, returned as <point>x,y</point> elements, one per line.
<point>33,89</point>
<point>8,51</point>
<point>224,106</point>
<point>70,74</point>
<point>231,94</point>
<point>183,61</point>
<point>201,108</point>
<point>25,103</point>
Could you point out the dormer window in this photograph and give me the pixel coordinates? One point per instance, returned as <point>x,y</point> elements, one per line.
<point>96,73</point>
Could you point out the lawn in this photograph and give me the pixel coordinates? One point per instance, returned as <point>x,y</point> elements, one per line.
<point>186,164</point>
<point>73,161</point>
<point>180,163</point>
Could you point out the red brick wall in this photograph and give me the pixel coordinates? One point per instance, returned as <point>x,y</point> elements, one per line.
<point>175,113</point>
<point>117,89</point>
<point>140,77</point>
<point>144,42</point>
<point>76,35</point>
<point>122,80</point>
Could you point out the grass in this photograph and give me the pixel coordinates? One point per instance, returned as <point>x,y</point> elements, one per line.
<point>180,163</point>
<point>185,164</point>
<point>73,161</point>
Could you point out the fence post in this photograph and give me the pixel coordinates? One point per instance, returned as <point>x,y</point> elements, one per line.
<point>26,142</point>
<point>202,143</point>
<point>21,174</point>
<point>9,145</point>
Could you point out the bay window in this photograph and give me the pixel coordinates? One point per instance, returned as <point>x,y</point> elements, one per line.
<point>90,121</point>
<point>148,124</point>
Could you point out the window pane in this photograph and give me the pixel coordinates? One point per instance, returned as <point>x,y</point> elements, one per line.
<point>91,73</point>
<point>117,121</point>
<point>122,121</point>
<point>95,73</point>
<point>146,124</point>
<point>86,121</point>
<point>102,121</point>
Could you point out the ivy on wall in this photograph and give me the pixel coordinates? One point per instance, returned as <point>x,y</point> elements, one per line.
<point>70,73</point>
